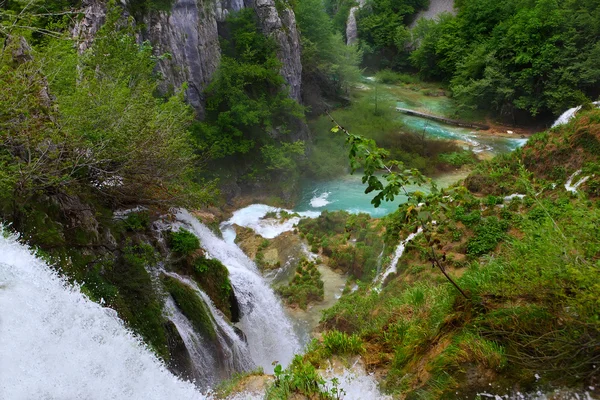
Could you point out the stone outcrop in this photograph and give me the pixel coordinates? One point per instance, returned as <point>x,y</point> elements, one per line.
<point>281,25</point>
<point>188,34</point>
<point>187,39</point>
<point>94,15</point>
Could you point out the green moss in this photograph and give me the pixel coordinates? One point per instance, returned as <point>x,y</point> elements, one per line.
<point>191,305</point>
<point>213,278</point>
<point>137,301</point>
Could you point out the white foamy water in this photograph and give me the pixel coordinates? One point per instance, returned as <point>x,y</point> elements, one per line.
<point>392,268</point>
<point>269,333</point>
<point>57,344</point>
<point>253,217</point>
<point>233,354</point>
<point>202,355</point>
<point>355,383</point>
<point>320,201</point>
<point>570,114</point>
<point>572,187</point>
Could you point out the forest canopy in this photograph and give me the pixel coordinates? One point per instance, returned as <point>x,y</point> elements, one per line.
<point>531,58</point>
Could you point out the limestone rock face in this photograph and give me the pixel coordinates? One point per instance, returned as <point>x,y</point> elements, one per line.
<point>281,25</point>
<point>188,34</point>
<point>187,38</point>
<point>94,15</point>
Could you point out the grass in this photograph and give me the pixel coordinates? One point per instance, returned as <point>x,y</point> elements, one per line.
<point>372,116</point>
<point>532,276</point>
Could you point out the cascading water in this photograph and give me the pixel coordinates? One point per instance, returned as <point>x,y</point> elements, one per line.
<point>204,362</point>
<point>570,114</point>
<point>397,254</point>
<point>351,26</point>
<point>57,344</point>
<point>269,333</point>
<point>234,355</point>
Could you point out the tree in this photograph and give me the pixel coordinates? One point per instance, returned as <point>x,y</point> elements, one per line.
<point>91,124</point>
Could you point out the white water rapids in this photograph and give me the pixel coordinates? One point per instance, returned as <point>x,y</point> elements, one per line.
<point>269,332</point>
<point>570,114</point>
<point>392,268</point>
<point>57,344</point>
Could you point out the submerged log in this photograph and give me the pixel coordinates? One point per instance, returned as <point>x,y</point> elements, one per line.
<point>445,120</point>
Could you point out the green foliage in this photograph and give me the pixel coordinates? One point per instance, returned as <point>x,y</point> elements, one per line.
<point>383,33</point>
<point>388,76</point>
<point>335,342</point>
<point>136,301</point>
<point>331,232</point>
<point>183,242</point>
<point>329,67</point>
<point>191,305</point>
<point>213,278</point>
<point>302,378</point>
<point>306,286</point>
<point>458,159</point>
<point>373,117</point>
<point>137,221</point>
<point>246,100</point>
<point>487,236</point>
<point>514,57</point>
<point>85,122</point>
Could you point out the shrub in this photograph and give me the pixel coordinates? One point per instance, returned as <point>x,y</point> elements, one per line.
<point>183,242</point>
<point>305,287</point>
<point>487,236</point>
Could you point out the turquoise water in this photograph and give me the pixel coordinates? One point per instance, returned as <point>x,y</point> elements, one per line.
<point>469,138</point>
<point>348,193</point>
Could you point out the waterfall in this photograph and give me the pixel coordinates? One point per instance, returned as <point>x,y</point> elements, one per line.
<point>351,28</point>
<point>269,333</point>
<point>234,355</point>
<point>204,362</point>
<point>397,254</point>
<point>57,344</point>
<point>570,114</point>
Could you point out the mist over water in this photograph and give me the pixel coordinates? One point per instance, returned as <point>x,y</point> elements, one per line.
<point>57,344</point>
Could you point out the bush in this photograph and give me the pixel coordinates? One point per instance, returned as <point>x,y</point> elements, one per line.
<point>305,287</point>
<point>183,242</point>
<point>487,236</point>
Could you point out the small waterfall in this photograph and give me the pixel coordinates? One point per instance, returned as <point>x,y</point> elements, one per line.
<point>397,254</point>
<point>57,344</point>
<point>269,333</point>
<point>351,27</point>
<point>570,114</point>
<point>234,355</point>
<point>204,362</point>
<point>572,187</point>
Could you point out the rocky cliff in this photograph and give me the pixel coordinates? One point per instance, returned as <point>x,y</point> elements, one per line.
<point>188,35</point>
